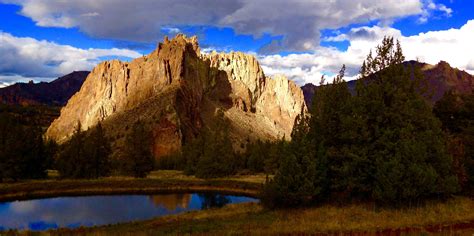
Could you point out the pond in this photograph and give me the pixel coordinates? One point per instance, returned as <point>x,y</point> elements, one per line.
<point>71,212</point>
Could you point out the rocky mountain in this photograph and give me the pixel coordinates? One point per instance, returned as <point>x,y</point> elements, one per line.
<point>440,78</point>
<point>176,91</point>
<point>55,93</point>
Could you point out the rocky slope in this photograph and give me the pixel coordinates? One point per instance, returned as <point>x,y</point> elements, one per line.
<point>55,93</point>
<point>176,91</point>
<point>440,78</point>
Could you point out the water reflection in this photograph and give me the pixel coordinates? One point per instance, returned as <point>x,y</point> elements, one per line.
<point>209,200</point>
<point>98,210</point>
<point>171,201</point>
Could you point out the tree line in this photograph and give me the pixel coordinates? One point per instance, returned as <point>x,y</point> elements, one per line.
<point>25,154</point>
<point>87,154</point>
<point>382,143</point>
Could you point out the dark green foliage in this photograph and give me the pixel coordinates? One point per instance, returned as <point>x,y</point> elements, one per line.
<point>331,129</point>
<point>383,143</point>
<point>302,176</point>
<point>23,154</point>
<point>98,150</point>
<point>211,154</point>
<point>401,138</point>
<point>85,155</point>
<point>137,157</point>
<point>263,157</point>
<point>456,113</point>
<point>71,158</point>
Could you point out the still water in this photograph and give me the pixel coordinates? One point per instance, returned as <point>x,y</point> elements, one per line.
<point>73,212</point>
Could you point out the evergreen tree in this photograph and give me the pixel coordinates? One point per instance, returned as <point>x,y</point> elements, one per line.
<point>137,155</point>
<point>98,150</point>
<point>22,151</point>
<point>400,135</point>
<point>218,158</point>
<point>257,153</point>
<point>331,129</point>
<point>302,176</point>
<point>72,160</point>
<point>456,113</point>
<point>85,155</point>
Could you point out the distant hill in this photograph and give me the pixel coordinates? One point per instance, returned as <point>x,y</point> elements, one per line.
<point>54,93</point>
<point>441,78</point>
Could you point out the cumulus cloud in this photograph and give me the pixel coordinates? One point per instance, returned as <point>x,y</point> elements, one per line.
<point>24,57</point>
<point>431,47</point>
<point>298,22</point>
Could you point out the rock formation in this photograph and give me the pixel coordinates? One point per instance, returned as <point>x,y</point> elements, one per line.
<point>175,91</point>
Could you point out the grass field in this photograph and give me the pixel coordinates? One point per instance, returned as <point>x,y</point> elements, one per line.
<point>452,217</point>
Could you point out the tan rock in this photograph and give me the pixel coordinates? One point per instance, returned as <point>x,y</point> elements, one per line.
<point>175,91</point>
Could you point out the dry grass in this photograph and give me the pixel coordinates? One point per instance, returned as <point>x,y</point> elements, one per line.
<point>252,219</point>
<point>360,218</point>
<point>157,182</point>
<point>171,174</point>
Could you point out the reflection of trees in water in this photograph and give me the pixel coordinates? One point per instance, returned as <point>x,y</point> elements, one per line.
<point>171,201</point>
<point>211,200</point>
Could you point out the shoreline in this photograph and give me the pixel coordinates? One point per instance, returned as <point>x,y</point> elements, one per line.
<point>353,219</point>
<point>70,188</point>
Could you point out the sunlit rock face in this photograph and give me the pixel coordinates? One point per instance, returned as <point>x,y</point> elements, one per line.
<point>175,91</point>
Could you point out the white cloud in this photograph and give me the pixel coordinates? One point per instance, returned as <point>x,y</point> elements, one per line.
<point>453,45</point>
<point>299,22</point>
<point>6,80</point>
<point>430,8</point>
<point>24,57</point>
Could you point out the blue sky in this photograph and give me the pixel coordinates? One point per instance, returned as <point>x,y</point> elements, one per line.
<point>41,40</point>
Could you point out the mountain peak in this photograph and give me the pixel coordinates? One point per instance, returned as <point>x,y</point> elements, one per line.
<point>176,91</point>
<point>179,41</point>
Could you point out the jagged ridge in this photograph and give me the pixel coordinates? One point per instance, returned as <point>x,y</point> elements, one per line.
<point>176,90</point>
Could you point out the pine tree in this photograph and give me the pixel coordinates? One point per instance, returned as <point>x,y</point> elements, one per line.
<point>137,155</point>
<point>22,151</point>
<point>456,113</point>
<point>330,129</point>
<point>400,135</point>
<point>218,157</point>
<point>72,159</point>
<point>302,175</point>
<point>98,150</point>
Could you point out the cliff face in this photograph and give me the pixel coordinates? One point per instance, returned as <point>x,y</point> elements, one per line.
<point>56,92</point>
<point>175,91</point>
